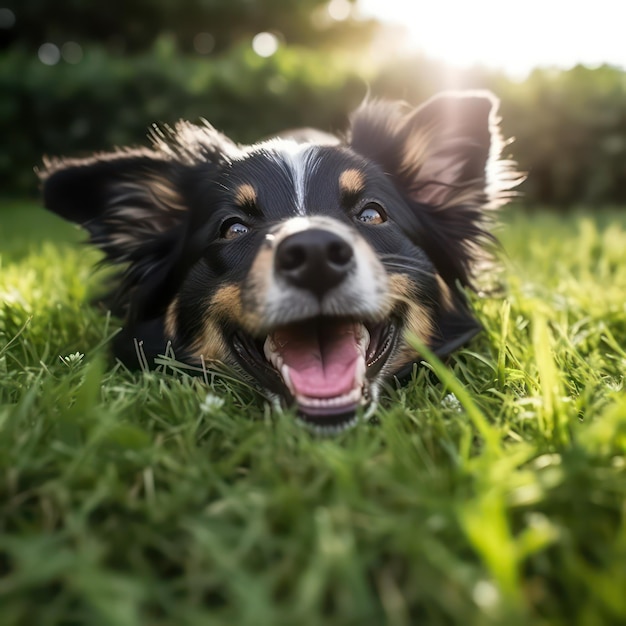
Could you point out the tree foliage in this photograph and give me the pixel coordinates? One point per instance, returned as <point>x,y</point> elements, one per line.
<point>105,101</point>
<point>570,134</point>
<point>568,127</point>
<point>132,26</point>
<point>139,66</point>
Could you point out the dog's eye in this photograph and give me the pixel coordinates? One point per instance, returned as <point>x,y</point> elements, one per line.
<point>372,214</point>
<point>233,228</point>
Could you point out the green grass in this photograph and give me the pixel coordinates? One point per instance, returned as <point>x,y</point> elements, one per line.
<point>495,497</point>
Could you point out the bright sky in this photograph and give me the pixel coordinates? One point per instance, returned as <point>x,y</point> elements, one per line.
<point>514,36</point>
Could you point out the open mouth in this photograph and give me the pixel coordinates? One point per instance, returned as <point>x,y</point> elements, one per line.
<point>324,365</point>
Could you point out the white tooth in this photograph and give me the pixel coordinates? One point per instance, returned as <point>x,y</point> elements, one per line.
<point>364,339</point>
<point>269,349</point>
<point>359,372</point>
<point>352,397</point>
<point>355,395</point>
<point>284,372</point>
<point>271,354</point>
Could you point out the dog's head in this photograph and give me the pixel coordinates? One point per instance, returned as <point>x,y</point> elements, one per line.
<point>302,262</point>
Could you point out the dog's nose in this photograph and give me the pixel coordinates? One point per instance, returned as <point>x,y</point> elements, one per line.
<point>314,259</point>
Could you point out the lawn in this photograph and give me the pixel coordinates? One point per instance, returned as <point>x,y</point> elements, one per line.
<point>497,496</point>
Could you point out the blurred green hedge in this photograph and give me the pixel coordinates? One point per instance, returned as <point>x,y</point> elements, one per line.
<point>105,101</point>
<point>569,126</point>
<point>570,134</point>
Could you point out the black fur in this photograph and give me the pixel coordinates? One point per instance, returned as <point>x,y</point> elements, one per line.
<point>163,216</point>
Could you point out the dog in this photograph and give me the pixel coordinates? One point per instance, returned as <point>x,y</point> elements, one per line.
<point>302,261</point>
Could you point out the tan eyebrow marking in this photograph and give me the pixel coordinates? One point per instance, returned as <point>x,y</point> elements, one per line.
<point>351,182</point>
<point>245,194</point>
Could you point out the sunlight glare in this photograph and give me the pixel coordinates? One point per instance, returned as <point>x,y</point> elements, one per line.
<point>515,39</point>
<point>339,10</point>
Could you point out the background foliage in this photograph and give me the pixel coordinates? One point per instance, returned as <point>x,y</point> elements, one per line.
<point>141,64</point>
<point>133,26</point>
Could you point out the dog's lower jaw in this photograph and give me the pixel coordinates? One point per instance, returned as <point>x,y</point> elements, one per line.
<point>344,422</point>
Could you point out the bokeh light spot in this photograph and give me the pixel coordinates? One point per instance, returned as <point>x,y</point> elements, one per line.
<point>7,18</point>
<point>204,43</point>
<point>72,52</point>
<point>339,10</point>
<point>49,54</point>
<point>265,44</point>
<point>485,594</point>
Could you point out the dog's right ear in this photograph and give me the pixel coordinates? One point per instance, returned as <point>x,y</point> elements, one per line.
<point>132,202</point>
<point>123,199</point>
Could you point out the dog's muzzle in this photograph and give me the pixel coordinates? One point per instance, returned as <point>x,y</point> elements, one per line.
<point>327,327</point>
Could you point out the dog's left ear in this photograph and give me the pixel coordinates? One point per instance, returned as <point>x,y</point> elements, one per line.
<point>443,158</point>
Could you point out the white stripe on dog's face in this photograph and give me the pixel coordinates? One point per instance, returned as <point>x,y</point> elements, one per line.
<point>299,161</point>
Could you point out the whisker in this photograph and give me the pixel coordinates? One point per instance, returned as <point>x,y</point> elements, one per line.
<point>408,264</point>
<point>410,302</point>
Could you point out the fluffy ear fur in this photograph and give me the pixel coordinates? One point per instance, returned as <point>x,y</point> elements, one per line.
<point>443,157</point>
<point>132,204</point>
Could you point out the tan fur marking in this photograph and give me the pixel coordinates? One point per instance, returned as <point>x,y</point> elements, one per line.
<point>475,196</point>
<point>170,319</point>
<point>258,284</point>
<point>164,195</point>
<point>418,320</point>
<point>245,194</point>
<point>446,294</point>
<point>210,346</point>
<point>417,151</point>
<point>146,206</point>
<point>227,304</point>
<point>351,181</point>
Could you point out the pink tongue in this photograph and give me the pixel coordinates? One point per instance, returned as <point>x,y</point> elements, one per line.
<point>322,358</point>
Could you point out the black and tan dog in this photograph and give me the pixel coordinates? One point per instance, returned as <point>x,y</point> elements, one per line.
<point>300,261</point>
